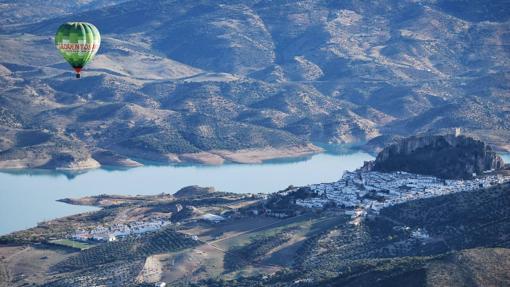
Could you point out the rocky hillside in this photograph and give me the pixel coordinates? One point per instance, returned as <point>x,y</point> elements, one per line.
<point>444,156</point>
<point>178,81</point>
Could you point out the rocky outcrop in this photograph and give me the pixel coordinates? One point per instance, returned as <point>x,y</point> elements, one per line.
<point>444,156</point>
<point>193,190</point>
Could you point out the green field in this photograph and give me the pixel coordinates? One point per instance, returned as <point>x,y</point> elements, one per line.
<point>72,244</point>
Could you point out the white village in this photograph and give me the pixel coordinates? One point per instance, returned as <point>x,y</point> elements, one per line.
<point>116,231</point>
<point>364,193</point>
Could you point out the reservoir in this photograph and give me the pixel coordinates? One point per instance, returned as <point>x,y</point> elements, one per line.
<point>29,196</point>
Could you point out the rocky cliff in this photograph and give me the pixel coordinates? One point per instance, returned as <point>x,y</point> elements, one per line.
<point>444,156</point>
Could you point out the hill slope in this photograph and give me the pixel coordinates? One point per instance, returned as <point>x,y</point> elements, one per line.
<point>223,75</point>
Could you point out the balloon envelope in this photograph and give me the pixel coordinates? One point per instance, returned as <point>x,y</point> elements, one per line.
<point>78,42</point>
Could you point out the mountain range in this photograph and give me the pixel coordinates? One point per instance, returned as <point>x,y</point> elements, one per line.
<point>210,81</point>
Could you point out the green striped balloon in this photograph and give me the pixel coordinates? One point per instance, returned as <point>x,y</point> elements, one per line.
<point>78,42</point>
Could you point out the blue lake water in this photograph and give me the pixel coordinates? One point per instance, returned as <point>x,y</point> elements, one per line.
<point>28,197</point>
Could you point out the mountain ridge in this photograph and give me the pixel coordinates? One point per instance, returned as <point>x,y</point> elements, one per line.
<point>300,73</point>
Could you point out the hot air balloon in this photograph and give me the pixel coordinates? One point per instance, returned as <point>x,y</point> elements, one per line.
<point>78,42</point>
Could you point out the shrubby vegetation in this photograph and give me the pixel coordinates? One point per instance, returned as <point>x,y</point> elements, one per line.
<point>129,249</point>
<point>255,251</point>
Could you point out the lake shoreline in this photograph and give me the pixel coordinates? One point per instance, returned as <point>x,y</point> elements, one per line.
<point>212,157</point>
<point>39,189</point>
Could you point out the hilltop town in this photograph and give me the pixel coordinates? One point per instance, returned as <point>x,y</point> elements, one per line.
<point>363,193</point>
<point>438,165</point>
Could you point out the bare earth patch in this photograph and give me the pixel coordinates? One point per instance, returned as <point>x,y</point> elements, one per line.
<point>260,155</point>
